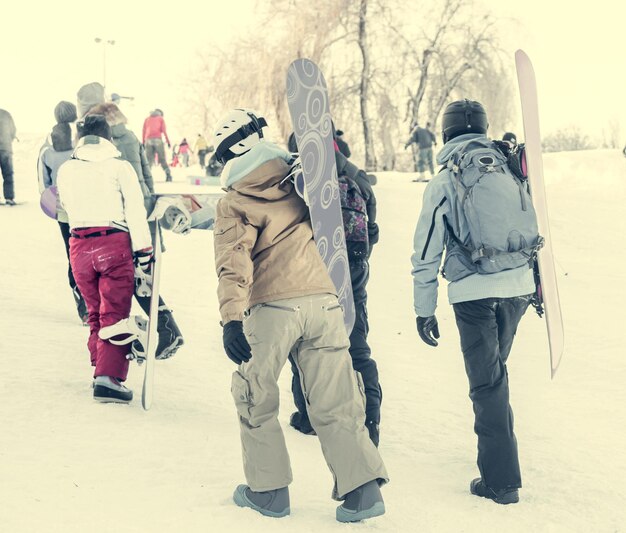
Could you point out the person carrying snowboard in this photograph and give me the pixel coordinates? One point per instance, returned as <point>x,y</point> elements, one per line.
<point>480,214</point>
<point>276,297</point>
<point>358,205</point>
<point>170,336</point>
<point>107,218</point>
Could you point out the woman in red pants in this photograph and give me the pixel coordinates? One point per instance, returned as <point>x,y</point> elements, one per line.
<point>104,204</point>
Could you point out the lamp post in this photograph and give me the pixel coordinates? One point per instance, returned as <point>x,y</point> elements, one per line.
<point>104,57</point>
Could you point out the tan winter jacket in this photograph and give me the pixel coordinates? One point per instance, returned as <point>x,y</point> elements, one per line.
<point>264,248</point>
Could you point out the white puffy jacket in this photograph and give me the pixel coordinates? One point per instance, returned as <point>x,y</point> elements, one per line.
<point>98,189</point>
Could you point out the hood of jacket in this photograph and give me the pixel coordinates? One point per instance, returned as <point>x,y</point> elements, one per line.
<point>94,148</point>
<point>259,172</point>
<point>111,112</point>
<point>456,144</point>
<point>88,96</point>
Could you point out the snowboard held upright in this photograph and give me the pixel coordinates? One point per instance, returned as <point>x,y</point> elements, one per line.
<point>547,289</point>
<point>153,335</point>
<point>307,96</point>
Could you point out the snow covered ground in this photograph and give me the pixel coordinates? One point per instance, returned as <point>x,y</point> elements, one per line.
<point>69,464</point>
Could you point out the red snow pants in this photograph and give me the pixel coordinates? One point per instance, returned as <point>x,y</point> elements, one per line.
<point>103,268</point>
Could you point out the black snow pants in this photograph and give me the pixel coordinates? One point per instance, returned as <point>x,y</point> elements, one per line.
<point>6,168</point>
<point>65,233</point>
<point>487,328</point>
<point>155,147</point>
<point>360,351</point>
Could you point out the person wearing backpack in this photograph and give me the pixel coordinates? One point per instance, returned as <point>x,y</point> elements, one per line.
<point>481,215</point>
<point>358,206</point>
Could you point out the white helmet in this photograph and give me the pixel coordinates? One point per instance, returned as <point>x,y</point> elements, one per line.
<point>236,133</point>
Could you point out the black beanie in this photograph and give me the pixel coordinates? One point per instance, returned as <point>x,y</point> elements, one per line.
<point>510,136</point>
<point>65,112</point>
<point>94,125</point>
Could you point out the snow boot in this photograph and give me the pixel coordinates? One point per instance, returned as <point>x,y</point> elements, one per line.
<point>170,337</point>
<point>109,390</point>
<point>301,423</point>
<point>363,502</point>
<point>374,430</point>
<point>501,496</point>
<point>274,503</point>
<point>81,306</point>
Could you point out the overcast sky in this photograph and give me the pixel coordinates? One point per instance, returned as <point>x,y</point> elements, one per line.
<point>47,51</point>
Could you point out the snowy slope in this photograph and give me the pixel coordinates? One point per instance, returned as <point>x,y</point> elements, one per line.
<point>68,464</point>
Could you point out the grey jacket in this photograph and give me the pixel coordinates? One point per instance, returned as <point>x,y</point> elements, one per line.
<point>7,131</point>
<point>431,240</point>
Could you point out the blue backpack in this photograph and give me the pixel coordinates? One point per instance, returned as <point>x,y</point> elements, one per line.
<point>495,210</point>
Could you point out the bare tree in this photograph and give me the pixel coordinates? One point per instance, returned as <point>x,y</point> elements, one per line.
<point>370,154</point>
<point>379,75</point>
<point>566,140</point>
<point>612,134</point>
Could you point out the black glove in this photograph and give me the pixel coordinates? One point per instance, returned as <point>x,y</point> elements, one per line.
<point>235,342</point>
<point>428,328</point>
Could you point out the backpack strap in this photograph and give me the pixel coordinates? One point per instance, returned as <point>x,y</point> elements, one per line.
<point>489,253</point>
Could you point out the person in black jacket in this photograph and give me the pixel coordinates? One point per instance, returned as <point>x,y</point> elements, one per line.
<point>360,351</point>
<point>7,134</point>
<point>342,144</point>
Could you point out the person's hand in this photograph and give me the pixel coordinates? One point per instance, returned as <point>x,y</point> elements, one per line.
<point>235,342</point>
<point>428,329</point>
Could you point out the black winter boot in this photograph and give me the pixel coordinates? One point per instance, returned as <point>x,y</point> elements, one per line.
<point>502,496</point>
<point>363,502</point>
<point>301,423</point>
<point>274,503</point>
<point>109,390</point>
<point>170,337</point>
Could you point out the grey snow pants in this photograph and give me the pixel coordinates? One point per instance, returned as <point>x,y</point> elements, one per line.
<point>312,329</point>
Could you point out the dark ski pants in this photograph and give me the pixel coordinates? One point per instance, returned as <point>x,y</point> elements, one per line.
<point>104,271</point>
<point>201,157</point>
<point>65,233</point>
<point>6,167</point>
<point>81,307</point>
<point>425,159</point>
<point>487,328</point>
<point>155,146</point>
<point>360,351</point>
